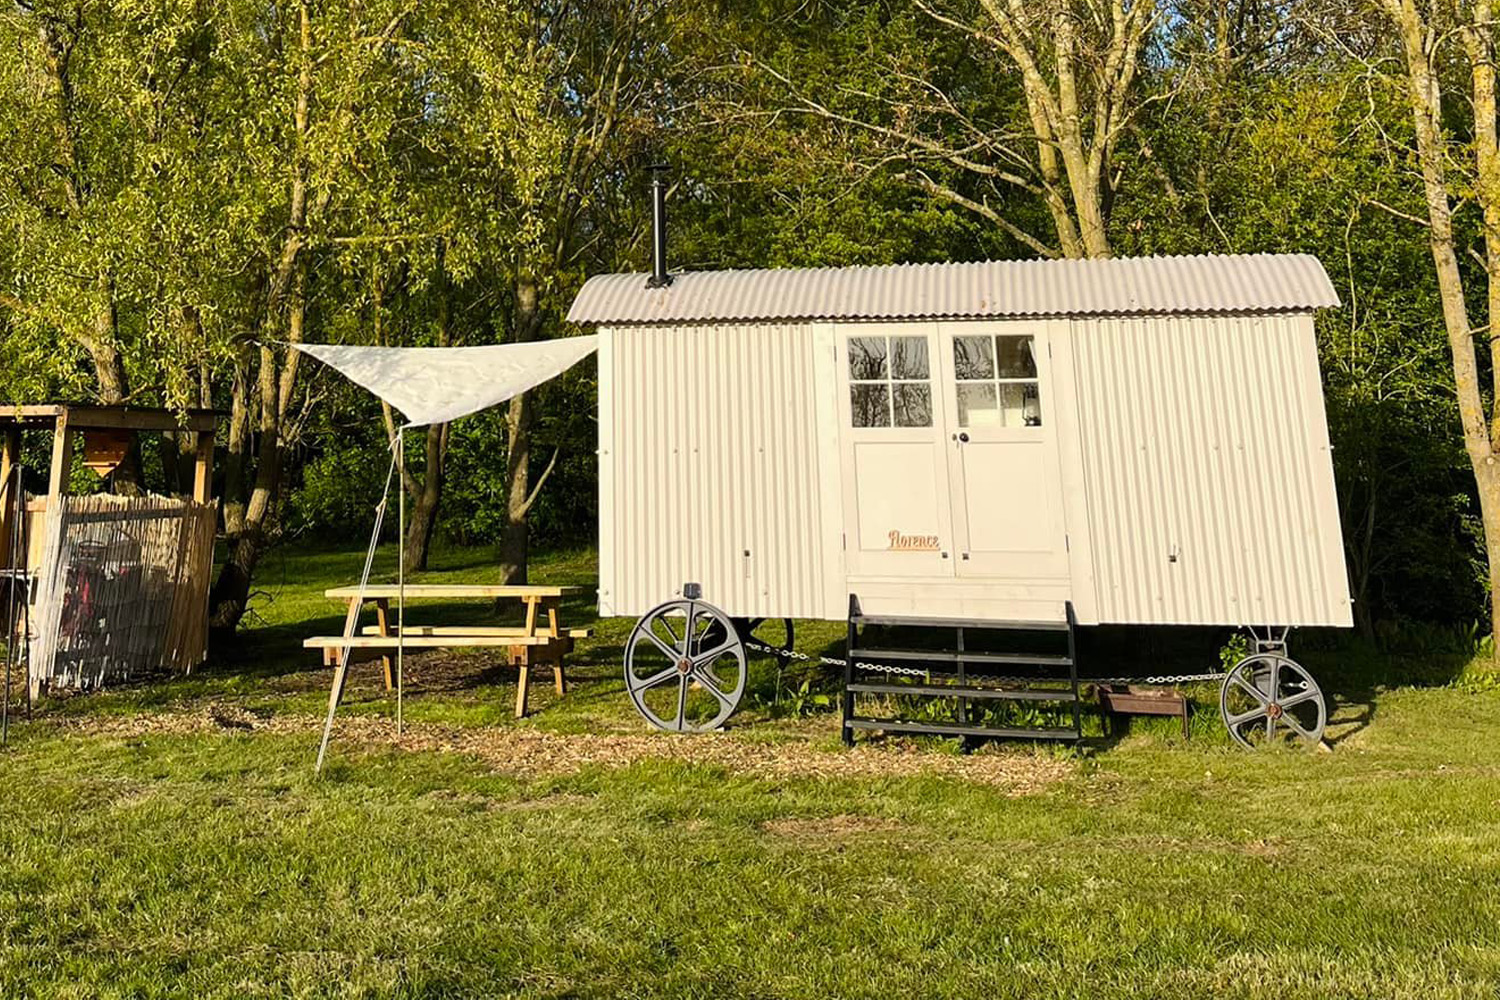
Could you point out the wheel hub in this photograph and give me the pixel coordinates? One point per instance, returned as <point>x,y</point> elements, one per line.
<point>684,665</point>
<point>1273,710</point>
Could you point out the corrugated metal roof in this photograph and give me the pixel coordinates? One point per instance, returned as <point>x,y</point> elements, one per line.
<point>1240,283</point>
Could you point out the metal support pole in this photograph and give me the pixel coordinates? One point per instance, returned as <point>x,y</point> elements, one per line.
<point>351,622</point>
<point>401,571</point>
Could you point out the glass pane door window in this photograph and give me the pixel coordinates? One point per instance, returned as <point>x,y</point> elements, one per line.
<point>889,382</point>
<point>997,382</point>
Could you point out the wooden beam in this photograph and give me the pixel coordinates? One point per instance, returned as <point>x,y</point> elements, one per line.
<point>131,419</point>
<point>84,417</point>
<point>10,457</point>
<point>62,461</point>
<point>17,414</point>
<point>203,467</point>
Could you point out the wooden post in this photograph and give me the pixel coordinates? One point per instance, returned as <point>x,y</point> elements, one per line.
<point>62,462</point>
<point>10,457</point>
<point>521,657</point>
<point>382,618</point>
<point>559,681</point>
<point>203,467</point>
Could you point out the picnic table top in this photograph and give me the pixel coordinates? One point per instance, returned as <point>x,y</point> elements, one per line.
<point>476,590</point>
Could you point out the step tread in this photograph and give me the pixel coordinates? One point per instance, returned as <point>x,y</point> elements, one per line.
<point>968,656</point>
<point>988,625</point>
<point>956,729</point>
<point>951,691</point>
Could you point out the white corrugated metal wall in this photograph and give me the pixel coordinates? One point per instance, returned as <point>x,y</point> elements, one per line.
<point>1206,438</point>
<point>712,471</point>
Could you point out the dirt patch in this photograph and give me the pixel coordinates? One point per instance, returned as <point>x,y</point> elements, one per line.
<point>1264,848</point>
<point>830,829</point>
<point>533,752</point>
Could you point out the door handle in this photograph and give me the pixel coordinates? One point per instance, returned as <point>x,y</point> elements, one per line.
<point>963,438</point>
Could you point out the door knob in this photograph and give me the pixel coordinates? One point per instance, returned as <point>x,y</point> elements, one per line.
<point>964,438</point>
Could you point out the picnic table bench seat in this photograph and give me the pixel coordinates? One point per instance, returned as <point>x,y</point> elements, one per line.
<point>473,630</point>
<point>455,641</point>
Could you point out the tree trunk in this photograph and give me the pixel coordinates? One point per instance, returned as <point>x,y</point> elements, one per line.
<point>237,456</point>
<point>423,518</point>
<point>114,386</point>
<point>1424,94</point>
<point>515,541</point>
<point>1076,119</point>
<point>231,591</point>
<point>286,287</point>
<point>166,450</point>
<point>426,491</point>
<point>1487,477</point>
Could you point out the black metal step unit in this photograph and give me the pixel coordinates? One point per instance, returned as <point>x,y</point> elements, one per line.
<point>1059,669</point>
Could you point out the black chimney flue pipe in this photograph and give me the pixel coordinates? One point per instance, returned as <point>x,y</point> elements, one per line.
<point>659,276</point>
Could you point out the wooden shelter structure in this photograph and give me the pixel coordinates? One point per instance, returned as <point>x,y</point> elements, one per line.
<point>110,586</point>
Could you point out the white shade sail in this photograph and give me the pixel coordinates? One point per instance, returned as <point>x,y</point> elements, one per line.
<point>433,385</point>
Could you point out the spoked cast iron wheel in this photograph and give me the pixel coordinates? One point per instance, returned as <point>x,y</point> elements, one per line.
<point>1268,699</point>
<point>685,667</point>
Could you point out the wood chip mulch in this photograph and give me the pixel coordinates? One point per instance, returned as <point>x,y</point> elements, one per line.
<point>535,752</point>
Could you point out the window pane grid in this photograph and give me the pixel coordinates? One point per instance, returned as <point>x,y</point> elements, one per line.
<point>997,383</point>
<point>889,382</point>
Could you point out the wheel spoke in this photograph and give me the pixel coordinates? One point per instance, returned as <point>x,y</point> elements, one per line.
<point>1296,727</point>
<point>667,624</point>
<point>656,640</point>
<point>1251,689</point>
<point>1275,686</point>
<point>1270,727</point>
<point>687,632</point>
<point>711,685</point>
<point>1307,695</point>
<point>654,679</point>
<point>703,659</point>
<point>682,690</point>
<point>1239,720</point>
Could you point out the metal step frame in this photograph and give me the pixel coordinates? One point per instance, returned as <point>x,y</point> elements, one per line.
<point>961,689</point>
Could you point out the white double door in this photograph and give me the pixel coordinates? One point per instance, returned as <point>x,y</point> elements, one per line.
<point>949,448</point>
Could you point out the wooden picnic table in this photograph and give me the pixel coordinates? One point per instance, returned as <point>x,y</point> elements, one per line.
<point>529,645</point>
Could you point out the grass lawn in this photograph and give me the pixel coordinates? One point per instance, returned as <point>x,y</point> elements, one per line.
<point>169,839</point>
